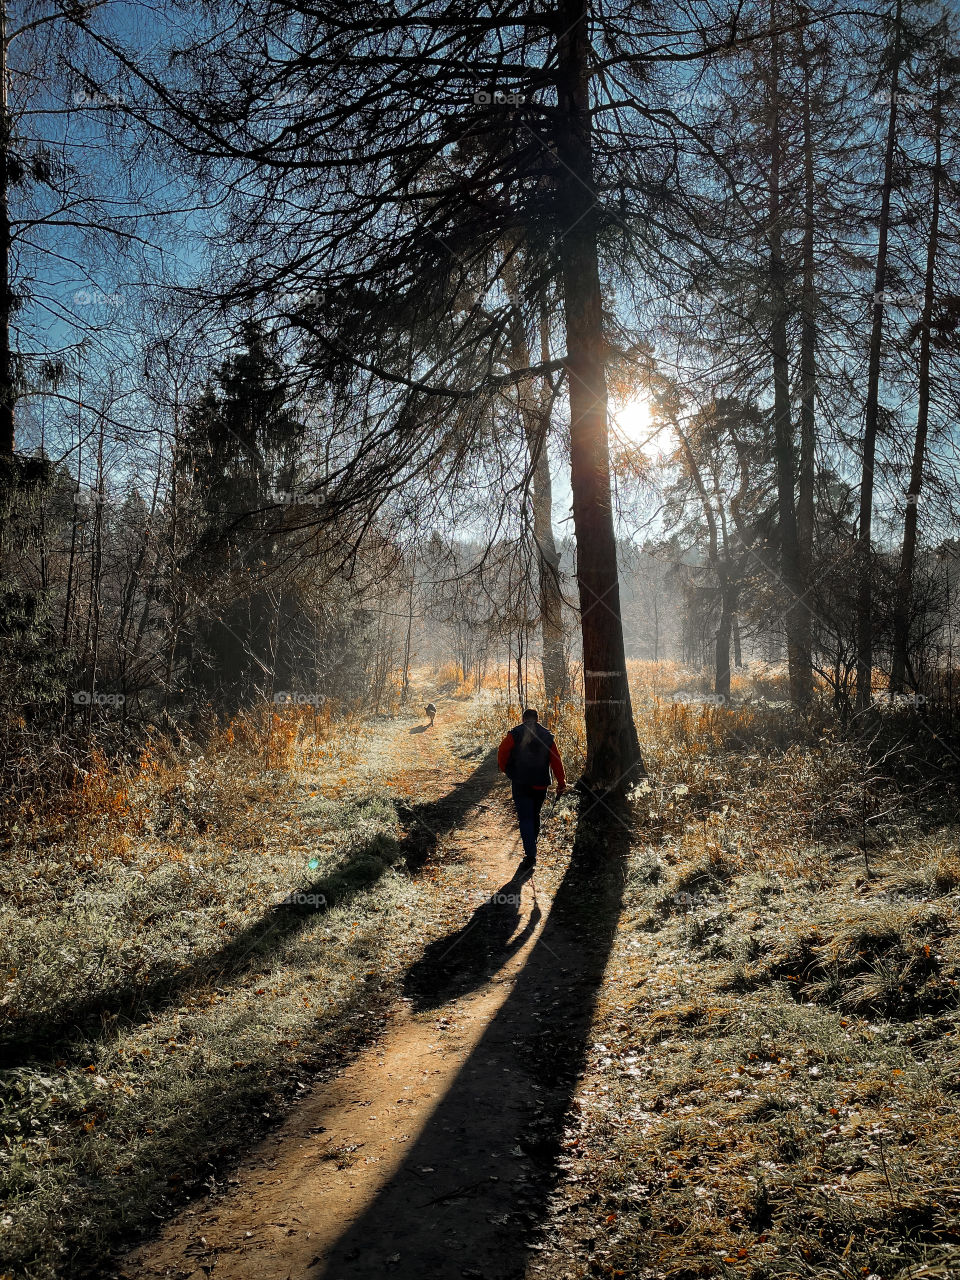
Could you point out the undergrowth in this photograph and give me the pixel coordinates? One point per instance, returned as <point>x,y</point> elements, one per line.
<point>186,942</point>
<point>772,1087</point>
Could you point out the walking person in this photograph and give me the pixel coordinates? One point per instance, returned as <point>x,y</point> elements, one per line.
<point>526,755</point>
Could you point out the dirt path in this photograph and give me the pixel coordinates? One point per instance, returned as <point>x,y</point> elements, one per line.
<point>430,1153</point>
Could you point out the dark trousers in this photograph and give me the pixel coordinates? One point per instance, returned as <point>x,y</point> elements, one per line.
<point>528,801</point>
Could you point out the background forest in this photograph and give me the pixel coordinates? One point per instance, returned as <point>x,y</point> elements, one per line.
<point>288,367</point>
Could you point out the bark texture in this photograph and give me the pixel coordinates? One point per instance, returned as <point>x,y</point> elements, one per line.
<point>613,751</point>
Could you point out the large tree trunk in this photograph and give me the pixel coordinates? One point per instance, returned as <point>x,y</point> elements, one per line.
<point>872,408</point>
<point>808,337</point>
<point>796,612</point>
<point>904,594</point>
<point>535,414</point>
<point>613,751</point>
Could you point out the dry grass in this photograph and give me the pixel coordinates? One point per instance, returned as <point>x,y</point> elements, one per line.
<point>772,1087</point>
<point>771,1091</point>
<point>101,803</point>
<point>161,999</point>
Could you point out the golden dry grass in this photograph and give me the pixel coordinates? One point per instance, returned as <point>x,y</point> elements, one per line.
<point>772,1084</point>
<point>771,1091</point>
<point>160,996</point>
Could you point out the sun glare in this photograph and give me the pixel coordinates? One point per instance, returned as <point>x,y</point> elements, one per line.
<point>632,424</point>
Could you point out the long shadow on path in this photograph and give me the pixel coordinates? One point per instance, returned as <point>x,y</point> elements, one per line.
<point>63,1033</point>
<point>462,961</point>
<point>470,1194</point>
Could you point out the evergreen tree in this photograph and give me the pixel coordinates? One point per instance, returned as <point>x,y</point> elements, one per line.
<point>240,449</point>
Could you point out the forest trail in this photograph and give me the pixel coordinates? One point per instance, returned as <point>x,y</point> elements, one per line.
<point>392,1167</point>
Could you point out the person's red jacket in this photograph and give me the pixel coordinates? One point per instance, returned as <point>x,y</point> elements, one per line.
<point>556,764</point>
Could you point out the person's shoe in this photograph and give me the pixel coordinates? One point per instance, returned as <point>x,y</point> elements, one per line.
<point>527,864</point>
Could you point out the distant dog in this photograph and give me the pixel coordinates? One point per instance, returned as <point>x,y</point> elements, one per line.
<point>431,711</point>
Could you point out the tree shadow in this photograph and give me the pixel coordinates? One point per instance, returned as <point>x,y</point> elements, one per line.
<point>424,824</point>
<point>63,1033</point>
<point>472,1190</point>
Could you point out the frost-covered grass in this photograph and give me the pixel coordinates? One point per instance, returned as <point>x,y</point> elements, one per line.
<point>772,1087</point>
<point>164,996</point>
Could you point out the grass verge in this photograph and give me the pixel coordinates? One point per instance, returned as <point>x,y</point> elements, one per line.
<point>772,1086</point>
<point>165,996</point>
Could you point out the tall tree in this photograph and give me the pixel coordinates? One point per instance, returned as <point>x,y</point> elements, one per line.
<point>796,609</point>
<point>613,751</point>
<point>371,102</point>
<point>723,487</point>
<point>536,399</point>
<point>808,323</point>
<point>871,412</point>
<point>240,450</point>
<point>908,551</point>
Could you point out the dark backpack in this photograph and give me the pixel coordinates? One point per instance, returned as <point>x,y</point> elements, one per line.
<point>529,762</point>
